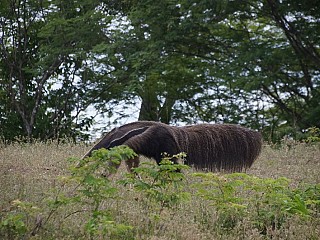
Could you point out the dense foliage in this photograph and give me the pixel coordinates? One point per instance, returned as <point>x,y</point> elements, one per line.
<point>254,63</point>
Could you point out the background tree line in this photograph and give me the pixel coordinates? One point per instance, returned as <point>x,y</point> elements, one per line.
<point>254,63</point>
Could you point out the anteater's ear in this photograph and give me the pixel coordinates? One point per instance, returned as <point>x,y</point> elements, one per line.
<point>119,141</point>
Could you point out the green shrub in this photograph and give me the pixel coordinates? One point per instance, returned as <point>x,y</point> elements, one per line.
<point>266,202</point>
<point>161,184</point>
<point>90,191</point>
<point>313,135</point>
<point>94,189</point>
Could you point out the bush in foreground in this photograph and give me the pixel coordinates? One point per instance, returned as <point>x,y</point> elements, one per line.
<point>85,203</point>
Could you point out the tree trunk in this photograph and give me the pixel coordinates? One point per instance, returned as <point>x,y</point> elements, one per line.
<point>149,110</point>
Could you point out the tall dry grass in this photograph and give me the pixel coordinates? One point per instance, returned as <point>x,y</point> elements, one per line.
<point>29,172</point>
<point>297,161</point>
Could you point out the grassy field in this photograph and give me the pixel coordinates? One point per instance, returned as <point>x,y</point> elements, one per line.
<point>30,185</point>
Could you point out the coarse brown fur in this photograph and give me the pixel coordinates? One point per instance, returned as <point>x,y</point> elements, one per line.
<point>213,147</point>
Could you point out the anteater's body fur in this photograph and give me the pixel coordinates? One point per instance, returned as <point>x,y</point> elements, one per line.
<point>214,147</point>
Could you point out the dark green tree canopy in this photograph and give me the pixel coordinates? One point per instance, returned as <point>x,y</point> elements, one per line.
<point>254,63</point>
<point>44,62</point>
